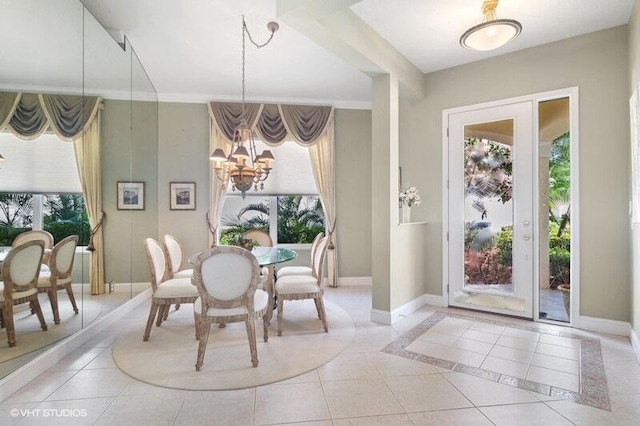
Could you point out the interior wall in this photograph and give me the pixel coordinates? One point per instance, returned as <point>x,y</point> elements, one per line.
<point>634,79</point>
<point>124,159</point>
<point>597,64</point>
<point>183,156</point>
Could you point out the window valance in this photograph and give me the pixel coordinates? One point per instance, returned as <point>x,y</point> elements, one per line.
<point>274,123</point>
<point>29,115</point>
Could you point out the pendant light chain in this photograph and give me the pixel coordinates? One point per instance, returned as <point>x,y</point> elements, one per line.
<point>273,27</point>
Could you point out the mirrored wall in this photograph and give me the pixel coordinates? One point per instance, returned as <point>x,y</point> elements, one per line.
<point>58,48</point>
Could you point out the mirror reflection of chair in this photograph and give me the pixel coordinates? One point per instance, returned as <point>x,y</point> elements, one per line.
<point>20,272</point>
<point>58,277</point>
<point>300,287</point>
<point>302,270</point>
<point>227,278</point>
<point>262,238</point>
<point>166,291</point>
<point>36,235</point>
<point>175,253</point>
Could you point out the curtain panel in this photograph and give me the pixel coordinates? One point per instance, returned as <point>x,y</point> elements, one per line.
<point>73,119</point>
<point>29,115</point>
<point>307,125</point>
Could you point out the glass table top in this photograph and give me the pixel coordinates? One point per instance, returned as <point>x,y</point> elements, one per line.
<point>266,255</point>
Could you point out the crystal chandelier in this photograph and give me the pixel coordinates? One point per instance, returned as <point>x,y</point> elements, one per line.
<point>243,167</point>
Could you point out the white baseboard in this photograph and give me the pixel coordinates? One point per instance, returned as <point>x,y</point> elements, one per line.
<point>128,287</point>
<point>355,281</point>
<point>603,325</point>
<point>46,360</point>
<point>635,343</point>
<point>384,317</point>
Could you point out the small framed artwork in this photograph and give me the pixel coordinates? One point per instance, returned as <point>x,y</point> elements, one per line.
<point>130,195</point>
<point>182,195</point>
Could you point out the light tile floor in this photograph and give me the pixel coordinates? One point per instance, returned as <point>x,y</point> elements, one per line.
<point>362,386</point>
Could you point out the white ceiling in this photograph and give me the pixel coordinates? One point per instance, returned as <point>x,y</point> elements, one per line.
<point>191,49</point>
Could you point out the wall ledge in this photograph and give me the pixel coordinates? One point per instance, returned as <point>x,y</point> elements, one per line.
<point>388,318</point>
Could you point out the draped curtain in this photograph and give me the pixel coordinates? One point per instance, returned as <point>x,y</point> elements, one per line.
<point>309,126</point>
<point>73,119</point>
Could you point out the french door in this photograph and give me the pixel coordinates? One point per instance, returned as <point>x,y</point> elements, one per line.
<point>491,209</point>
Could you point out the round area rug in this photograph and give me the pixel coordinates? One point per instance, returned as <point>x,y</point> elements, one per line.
<point>168,358</point>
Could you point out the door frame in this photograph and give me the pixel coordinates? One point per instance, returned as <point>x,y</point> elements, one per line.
<point>572,93</point>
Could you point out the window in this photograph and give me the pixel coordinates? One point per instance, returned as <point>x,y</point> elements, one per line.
<point>288,208</point>
<point>289,219</point>
<point>40,189</point>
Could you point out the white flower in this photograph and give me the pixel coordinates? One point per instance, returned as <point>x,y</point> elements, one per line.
<point>409,197</point>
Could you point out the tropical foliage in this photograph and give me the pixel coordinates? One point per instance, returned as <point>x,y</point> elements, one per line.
<point>64,215</point>
<point>300,219</point>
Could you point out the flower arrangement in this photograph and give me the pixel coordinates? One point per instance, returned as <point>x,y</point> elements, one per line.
<point>409,197</point>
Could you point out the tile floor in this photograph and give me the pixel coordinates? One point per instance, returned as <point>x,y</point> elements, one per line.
<point>362,386</point>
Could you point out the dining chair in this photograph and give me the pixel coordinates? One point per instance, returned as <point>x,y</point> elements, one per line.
<point>258,235</point>
<point>58,277</point>
<point>166,291</point>
<point>302,270</point>
<point>175,255</point>
<point>300,287</point>
<point>36,235</point>
<point>227,279</point>
<point>20,271</point>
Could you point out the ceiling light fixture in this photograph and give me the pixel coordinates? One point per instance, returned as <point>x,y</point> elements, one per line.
<point>492,32</point>
<point>243,167</point>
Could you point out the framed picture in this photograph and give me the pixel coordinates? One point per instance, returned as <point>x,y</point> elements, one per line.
<point>182,195</point>
<point>130,195</point>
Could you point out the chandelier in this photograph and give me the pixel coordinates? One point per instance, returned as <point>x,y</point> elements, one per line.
<point>243,167</point>
<point>492,32</point>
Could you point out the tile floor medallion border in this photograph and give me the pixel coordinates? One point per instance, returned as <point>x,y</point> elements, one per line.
<point>593,381</point>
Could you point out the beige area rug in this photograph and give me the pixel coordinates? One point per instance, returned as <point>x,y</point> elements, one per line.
<point>168,358</point>
<point>29,335</point>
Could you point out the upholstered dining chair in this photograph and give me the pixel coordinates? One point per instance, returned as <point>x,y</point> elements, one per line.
<point>175,255</point>
<point>300,287</point>
<point>227,279</point>
<point>302,270</point>
<point>259,236</point>
<point>36,235</point>
<point>58,277</point>
<point>20,273</point>
<point>166,291</point>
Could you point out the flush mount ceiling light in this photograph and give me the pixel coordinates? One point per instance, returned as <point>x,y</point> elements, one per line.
<point>492,32</point>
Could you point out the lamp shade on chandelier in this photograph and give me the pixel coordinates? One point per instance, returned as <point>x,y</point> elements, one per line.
<point>244,168</point>
<point>492,32</point>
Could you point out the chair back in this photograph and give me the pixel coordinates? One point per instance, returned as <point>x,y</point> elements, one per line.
<point>35,235</point>
<point>62,257</point>
<point>174,251</point>
<point>318,260</point>
<point>226,277</point>
<point>21,267</point>
<point>314,246</point>
<point>261,237</point>
<point>158,265</point>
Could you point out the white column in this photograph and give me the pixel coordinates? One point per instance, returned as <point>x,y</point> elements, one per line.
<point>38,211</point>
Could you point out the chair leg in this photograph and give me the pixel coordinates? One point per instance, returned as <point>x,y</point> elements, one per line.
<point>166,313</point>
<point>71,297</point>
<point>265,327</point>
<point>205,322</point>
<point>321,312</point>
<point>152,316</point>
<point>8,323</point>
<point>35,304</point>
<point>53,298</point>
<point>161,312</point>
<point>315,300</point>
<point>177,306</point>
<point>1,317</point>
<point>196,322</point>
<point>251,334</point>
<point>280,308</point>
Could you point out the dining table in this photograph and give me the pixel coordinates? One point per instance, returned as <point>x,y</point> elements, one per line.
<point>267,257</point>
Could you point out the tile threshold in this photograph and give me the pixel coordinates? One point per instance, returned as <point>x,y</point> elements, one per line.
<point>593,382</point>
